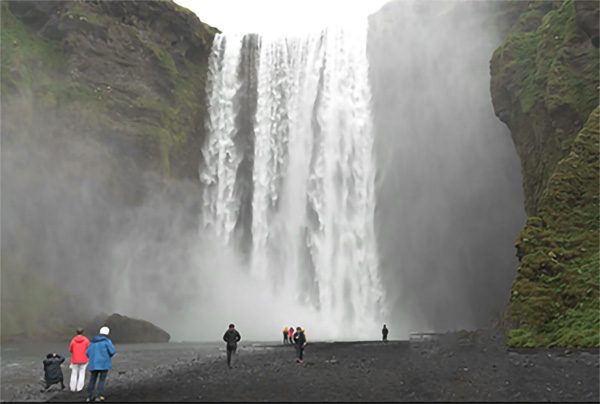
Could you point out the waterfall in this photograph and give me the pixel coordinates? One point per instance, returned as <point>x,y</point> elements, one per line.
<point>288,173</point>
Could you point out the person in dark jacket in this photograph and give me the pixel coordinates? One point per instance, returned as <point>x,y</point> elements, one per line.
<point>300,340</point>
<point>52,371</point>
<point>100,353</point>
<point>385,332</point>
<point>231,337</point>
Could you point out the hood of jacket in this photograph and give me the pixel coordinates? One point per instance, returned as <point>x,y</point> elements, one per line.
<point>79,339</point>
<point>99,338</point>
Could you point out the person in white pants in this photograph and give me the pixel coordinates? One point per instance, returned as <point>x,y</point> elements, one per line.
<point>79,361</point>
<point>78,376</point>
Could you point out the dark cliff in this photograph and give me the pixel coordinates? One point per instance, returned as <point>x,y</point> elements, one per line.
<point>126,72</point>
<point>103,108</point>
<point>544,85</point>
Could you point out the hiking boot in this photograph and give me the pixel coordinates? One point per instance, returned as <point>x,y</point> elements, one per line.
<point>297,360</point>
<point>301,361</point>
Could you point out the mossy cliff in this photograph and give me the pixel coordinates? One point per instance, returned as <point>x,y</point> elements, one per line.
<point>544,85</point>
<point>130,73</point>
<point>95,96</point>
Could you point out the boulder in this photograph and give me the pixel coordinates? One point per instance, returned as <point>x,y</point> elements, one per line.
<point>126,330</point>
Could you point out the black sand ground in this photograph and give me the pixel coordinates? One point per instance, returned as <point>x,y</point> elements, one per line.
<point>454,368</point>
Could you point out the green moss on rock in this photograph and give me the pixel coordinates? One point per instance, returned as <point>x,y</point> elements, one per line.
<point>555,293</point>
<point>93,65</point>
<point>544,85</point>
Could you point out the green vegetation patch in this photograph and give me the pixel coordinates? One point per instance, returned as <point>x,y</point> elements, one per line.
<point>24,55</point>
<point>555,295</point>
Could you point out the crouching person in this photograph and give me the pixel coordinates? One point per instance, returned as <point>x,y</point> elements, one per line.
<point>99,353</point>
<point>52,371</point>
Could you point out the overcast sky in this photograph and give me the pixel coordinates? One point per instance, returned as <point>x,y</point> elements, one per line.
<point>285,17</point>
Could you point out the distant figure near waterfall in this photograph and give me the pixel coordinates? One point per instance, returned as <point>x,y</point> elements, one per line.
<point>300,339</point>
<point>231,337</point>
<point>285,335</point>
<point>385,332</point>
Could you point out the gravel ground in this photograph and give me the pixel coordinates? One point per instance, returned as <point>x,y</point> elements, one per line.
<point>454,367</point>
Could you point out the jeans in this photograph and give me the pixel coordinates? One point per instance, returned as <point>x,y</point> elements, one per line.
<point>92,382</point>
<point>230,351</point>
<point>299,351</point>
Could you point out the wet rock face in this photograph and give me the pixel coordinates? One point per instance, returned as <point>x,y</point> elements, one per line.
<point>586,16</point>
<point>544,86</point>
<point>126,330</point>
<point>138,67</point>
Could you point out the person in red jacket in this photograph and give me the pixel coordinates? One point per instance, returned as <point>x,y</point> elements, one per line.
<point>79,361</point>
<point>291,334</point>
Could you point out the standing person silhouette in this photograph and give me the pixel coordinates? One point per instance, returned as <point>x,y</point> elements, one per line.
<point>231,337</point>
<point>385,332</point>
<point>300,340</point>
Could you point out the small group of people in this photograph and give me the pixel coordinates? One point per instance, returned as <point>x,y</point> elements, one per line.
<point>298,339</point>
<point>96,353</point>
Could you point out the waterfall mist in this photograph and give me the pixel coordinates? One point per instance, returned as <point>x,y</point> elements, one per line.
<point>350,178</point>
<point>449,198</point>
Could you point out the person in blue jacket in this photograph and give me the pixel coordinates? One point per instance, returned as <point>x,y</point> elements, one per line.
<point>99,352</point>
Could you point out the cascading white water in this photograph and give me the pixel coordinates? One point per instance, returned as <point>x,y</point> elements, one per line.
<point>312,200</point>
<point>221,158</point>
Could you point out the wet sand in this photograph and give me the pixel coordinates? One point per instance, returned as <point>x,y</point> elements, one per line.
<point>453,368</point>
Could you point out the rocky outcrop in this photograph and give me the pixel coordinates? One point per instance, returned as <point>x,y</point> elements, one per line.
<point>126,330</point>
<point>544,86</point>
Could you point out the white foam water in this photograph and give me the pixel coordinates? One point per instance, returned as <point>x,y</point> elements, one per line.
<point>311,233</point>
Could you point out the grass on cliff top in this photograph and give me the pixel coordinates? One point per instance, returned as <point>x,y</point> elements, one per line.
<point>534,60</point>
<point>556,291</point>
